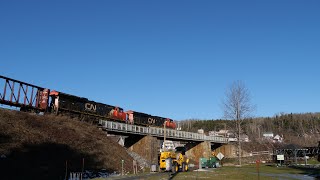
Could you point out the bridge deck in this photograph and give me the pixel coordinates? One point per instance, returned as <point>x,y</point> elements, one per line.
<point>159,132</point>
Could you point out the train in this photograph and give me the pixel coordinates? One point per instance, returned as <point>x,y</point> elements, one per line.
<point>38,99</point>
<point>87,110</point>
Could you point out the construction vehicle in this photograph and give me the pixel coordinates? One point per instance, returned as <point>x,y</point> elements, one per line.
<point>210,162</point>
<point>173,160</point>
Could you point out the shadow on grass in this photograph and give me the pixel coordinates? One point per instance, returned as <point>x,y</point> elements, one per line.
<point>44,161</point>
<point>172,175</point>
<point>311,171</point>
<point>308,171</point>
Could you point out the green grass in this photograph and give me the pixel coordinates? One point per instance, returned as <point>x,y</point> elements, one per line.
<point>142,176</point>
<point>313,161</point>
<point>245,172</point>
<point>234,173</point>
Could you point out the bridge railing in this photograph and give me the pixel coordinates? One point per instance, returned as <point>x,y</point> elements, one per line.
<point>159,132</point>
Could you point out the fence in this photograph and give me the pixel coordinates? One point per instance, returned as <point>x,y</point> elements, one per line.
<point>75,176</point>
<point>159,132</point>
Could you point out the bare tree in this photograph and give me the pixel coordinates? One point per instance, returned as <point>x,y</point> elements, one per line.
<point>237,106</point>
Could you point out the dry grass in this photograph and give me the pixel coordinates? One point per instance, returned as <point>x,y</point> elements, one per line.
<point>37,147</point>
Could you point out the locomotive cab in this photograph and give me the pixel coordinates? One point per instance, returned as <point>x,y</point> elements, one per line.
<point>170,123</point>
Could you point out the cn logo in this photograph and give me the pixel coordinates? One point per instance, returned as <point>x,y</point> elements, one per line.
<point>90,107</point>
<point>151,121</point>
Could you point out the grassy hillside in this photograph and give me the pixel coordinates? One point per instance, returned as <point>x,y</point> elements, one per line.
<point>38,147</point>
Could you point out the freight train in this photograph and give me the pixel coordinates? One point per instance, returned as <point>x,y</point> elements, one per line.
<point>37,99</point>
<point>85,109</point>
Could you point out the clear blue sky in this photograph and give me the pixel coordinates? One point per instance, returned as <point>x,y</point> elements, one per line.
<point>168,58</point>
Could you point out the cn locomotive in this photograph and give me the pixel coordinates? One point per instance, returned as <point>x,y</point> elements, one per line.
<point>87,110</point>
<point>37,99</point>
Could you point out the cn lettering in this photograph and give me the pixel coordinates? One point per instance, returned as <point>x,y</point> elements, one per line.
<point>151,121</point>
<point>90,107</point>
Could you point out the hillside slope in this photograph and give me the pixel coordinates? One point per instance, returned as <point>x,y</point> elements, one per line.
<point>39,147</point>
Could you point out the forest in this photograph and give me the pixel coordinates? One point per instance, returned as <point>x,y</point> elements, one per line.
<point>302,129</point>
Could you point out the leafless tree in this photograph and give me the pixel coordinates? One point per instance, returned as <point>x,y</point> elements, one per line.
<point>237,107</point>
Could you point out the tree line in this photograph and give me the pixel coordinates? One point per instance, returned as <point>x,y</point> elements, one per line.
<point>302,129</point>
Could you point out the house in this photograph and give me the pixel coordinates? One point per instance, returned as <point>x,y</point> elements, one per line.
<point>224,132</point>
<point>221,132</point>
<point>271,137</point>
<point>232,137</point>
<point>244,138</point>
<point>278,138</point>
<point>200,131</point>
<point>267,135</point>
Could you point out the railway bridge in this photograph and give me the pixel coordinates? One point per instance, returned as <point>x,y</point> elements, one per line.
<point>125,129</point>
<point>146,141</point>
<point>140,139</point>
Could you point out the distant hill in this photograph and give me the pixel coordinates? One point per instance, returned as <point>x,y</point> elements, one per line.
<point>300,129</point>
<point>39,146</point>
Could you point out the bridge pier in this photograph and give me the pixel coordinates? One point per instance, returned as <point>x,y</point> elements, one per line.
<point>144,140</point>
<point>147,147</point>
<point>228,150</point>
<point>197,150</point>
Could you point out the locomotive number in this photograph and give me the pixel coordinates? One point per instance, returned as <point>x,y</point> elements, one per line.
<point>90,107</point>
<point>151,121</point>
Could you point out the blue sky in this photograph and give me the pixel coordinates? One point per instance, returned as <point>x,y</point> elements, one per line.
<point>168,58</point>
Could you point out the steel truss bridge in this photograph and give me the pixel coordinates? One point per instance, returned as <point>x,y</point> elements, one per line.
<point>294,153</point>
<point>159,132</point>
<point>308,151</point>
<point>19,94</point>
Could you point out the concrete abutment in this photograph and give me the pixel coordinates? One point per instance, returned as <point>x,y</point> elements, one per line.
<point>197,150</point>
<point>147,147</point>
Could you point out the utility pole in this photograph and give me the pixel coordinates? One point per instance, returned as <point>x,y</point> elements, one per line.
<point>164,136</point>
<point>122,161</point>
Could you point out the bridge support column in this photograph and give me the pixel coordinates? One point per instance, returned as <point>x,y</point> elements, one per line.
<point>198,150</point>
<point>228,150</point>
<point>147,147</point>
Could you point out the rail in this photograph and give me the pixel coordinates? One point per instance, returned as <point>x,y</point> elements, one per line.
<point>158,132</point>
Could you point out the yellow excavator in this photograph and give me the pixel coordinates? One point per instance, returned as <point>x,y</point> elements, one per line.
<point>173,160</point>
